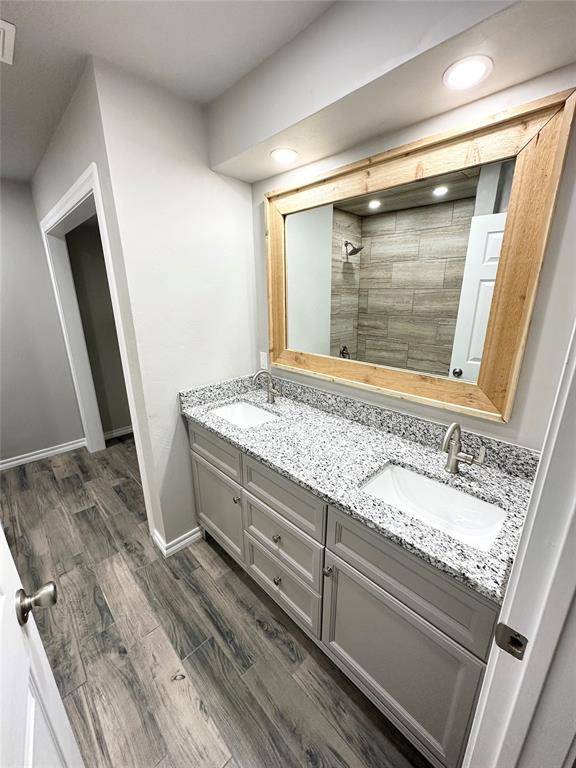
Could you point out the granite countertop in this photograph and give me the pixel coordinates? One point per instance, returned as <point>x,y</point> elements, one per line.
<point>332,457</point>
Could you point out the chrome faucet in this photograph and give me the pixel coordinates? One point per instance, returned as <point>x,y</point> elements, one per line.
<point>452,445</point>
<point>270,384</point>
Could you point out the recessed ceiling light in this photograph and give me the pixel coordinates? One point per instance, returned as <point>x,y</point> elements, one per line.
<point>374,204</point>
<point>284,155</point>
<point>440,191</point>
<point>467,72</point>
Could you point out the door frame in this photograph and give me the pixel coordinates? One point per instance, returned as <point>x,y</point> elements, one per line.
<point>539,596</point>
<point>82,200</point>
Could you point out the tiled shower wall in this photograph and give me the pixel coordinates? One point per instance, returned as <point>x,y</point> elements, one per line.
<point>345,283</point>
<point>409,279</point>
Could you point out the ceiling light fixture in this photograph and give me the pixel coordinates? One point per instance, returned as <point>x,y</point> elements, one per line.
<point>440,191</point>
<point>284,155</point>
<point>374,204</point>
<point>467,72</point>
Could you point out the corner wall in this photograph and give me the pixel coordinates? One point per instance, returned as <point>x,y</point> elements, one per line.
<point>77,142</point>
<point>38,407</point>
<point>555,309</point>
<point>181,241</point>
<point>187,245</point>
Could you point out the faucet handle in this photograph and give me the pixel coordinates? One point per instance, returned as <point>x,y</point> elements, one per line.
<point>469,458</point>
<point>481,456</point>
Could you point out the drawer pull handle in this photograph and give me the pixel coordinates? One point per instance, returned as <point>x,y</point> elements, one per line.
<point>236,499</point>
<point>276,538</point>
<point>328,570</point>
<point>277,580</point>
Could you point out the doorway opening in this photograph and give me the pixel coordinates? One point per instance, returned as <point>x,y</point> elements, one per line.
<point>97,316</point>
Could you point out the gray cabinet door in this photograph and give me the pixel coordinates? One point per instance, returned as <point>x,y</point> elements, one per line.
<point>459,612</point>
<point>219,506</point>
<point>419,676</point>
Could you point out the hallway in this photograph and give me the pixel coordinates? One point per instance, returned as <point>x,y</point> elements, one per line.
<point>179,662</point>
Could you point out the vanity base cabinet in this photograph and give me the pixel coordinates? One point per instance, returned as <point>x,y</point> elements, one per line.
<point>412,639</point>
<point>422,679</point>
<point>219,506</point>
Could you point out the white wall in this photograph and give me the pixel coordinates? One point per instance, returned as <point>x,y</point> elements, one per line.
<point>555,309</point>
<point>309,279</point>
<point>187,243</point>
<point>38,407</point>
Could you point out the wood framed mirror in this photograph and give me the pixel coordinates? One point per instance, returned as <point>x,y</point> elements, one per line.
<point>414,272</point>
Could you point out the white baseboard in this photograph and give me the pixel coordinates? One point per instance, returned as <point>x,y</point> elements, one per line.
<point>168,548</point>
<point>119,432</point>
<point>44,453</point>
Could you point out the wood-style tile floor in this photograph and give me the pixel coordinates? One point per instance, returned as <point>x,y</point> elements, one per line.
<point>178,663</point>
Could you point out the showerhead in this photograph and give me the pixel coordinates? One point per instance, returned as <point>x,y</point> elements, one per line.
<point>351,249</point>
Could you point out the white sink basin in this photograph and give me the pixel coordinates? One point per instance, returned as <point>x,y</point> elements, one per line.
<point>470,520</point>
<point>244,414</point>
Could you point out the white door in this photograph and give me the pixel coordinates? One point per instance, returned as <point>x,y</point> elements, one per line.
<point>34,729</point>
<point>517,697</point>
<point>482,257</point>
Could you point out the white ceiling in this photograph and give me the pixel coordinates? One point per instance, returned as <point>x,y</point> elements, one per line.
<point>197,49</point>
<point>525,41</point>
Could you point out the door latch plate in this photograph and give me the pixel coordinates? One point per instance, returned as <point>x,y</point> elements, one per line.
<point>510,641</point>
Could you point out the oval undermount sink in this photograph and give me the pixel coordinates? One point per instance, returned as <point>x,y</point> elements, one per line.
<point>244,414</point>
<point>464,517</point>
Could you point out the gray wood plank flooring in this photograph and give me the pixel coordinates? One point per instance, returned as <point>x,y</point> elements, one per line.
<point>178,663</point>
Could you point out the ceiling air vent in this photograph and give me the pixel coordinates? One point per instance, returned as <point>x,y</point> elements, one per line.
<point>7,37</point>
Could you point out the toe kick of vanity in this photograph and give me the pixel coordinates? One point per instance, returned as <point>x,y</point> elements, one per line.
<point>413,639</point>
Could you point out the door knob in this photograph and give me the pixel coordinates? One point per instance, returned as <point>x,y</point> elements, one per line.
<point>276,538</point>
<point>44,597</point>
<point>236,499</point>
<point>277,580</point>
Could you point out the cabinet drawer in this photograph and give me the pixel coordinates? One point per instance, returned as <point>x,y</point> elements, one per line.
<point>285,497</point>
<point>217,451</point>
<point>420,677</point>
<point>459,612</point>
<point>289,592</point>
<point>219,506</point>
<point>294,549</point>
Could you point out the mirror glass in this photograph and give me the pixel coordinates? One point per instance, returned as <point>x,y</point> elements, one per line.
<point>402,278</point>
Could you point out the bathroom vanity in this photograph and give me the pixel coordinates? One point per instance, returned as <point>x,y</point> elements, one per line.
<point>405,609</point>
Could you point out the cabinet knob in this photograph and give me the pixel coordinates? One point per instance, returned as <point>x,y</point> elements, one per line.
<point>457,372</point>
<point>277,580</point>
<point>276,538</point>
<point>236,499</point>
<point>328,570</point>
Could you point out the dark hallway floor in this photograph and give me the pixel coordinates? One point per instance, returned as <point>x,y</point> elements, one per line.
<point>175,663</point>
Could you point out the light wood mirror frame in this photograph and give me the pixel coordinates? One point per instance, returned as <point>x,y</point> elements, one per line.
<point>536,134</point>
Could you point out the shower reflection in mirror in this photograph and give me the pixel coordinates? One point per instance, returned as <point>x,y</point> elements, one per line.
<point>403,278</point>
